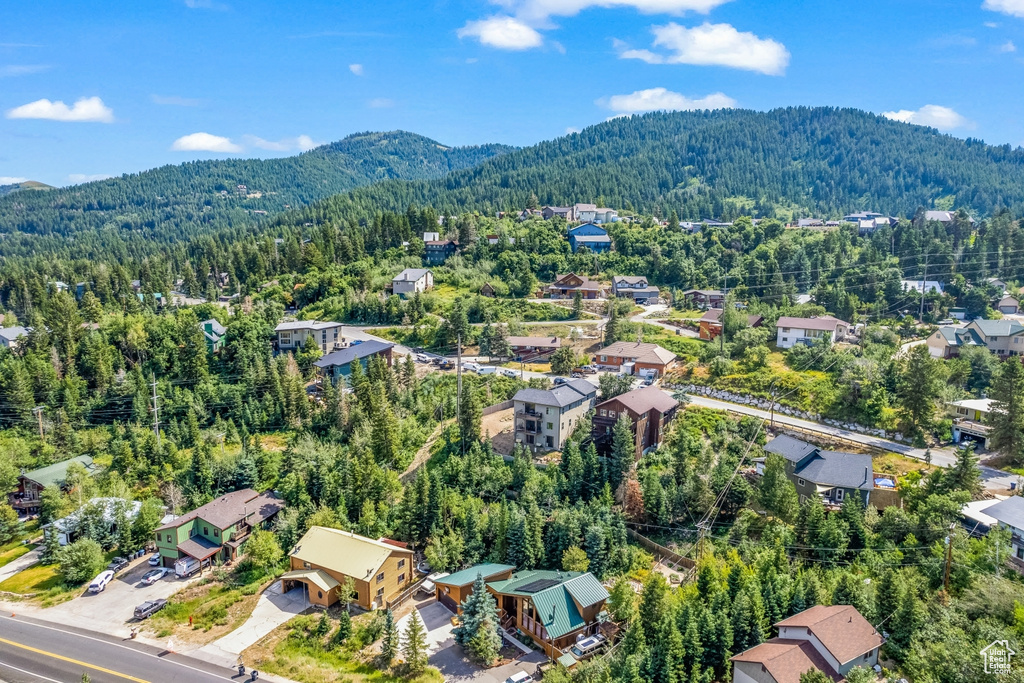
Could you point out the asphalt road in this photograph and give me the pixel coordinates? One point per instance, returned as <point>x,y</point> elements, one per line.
<point>34,652</point>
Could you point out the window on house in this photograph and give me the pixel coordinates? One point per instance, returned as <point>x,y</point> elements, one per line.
<point>550,426</point>
<point>286,339</point>
<point>401,579</point>
<point>380,591</point>
<point>785,329</point>
<point>785,339</point>
<point>380,577</point>
<point>307,565</point>
<point>611,413</point>
<point>216,532</point>
<point>604,413</point>
<point>839,494</point>
<point>401,563</point>
<point>604,358</point>
<point>206,531</point>
<point>800,482</point>
<point>1020,553</point>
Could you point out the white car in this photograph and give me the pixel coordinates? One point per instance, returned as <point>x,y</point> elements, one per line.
<point>509,372</point>
<point>154,560</point>
<point>520,677</point>
<point>100,582</point>
<point>154,575</point>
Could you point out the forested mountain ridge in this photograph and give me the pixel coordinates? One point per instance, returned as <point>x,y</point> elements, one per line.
<point>725,163</point>
<point>172,202</point>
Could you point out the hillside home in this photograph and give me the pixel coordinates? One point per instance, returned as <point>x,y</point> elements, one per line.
<point>926,286</point>
<point>10,337</point>
<point>1001,337</point>
<point>324,558</point>
<point>26,498</point>
<point>830,475</point>
<point>832,639</point>
<point>412,280</point>
<point>549,212</point>
<point>566,286</point>
<point>635,287</point>
<point>997,284</point>
<point>970,418</point>
<point>487,289</point>
<point>105,510</point>
<point>291,336</point>
<point>338,364</point>
<point>553,608</point>
<point>704,298</point>
<point>635,358</point>
<point>1008,305</point>
<point>711,325</point>
<point>452,590</point>
<point>585,213</point>
<point>544,418</point>
<point>218,530</point>
<point>436,252</point>
<point>1009,514</point>
<point>650,410</point>
<point>590,236</point>
<point>214,333</point>
<point>604,215</point>
<point>947,341</point>
<point>533,348</point>
<point>792,331</point>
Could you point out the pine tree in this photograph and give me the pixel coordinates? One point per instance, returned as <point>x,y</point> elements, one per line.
<point>777,493</point>
<point>917,387</point>
<point>623,452</point>
<point>577,305</point>
<point>470,414</point>
<point>414,644</point>
<point>339,637</point>
<point>1007,414</point>
<point>389,644</point>
<point>964,475</point>
<point>323,626</point>
<point>478,632</point>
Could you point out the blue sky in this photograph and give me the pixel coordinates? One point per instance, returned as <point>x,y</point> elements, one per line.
<point>90,89</point>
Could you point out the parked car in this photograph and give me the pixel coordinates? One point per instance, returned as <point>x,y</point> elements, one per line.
<point>577,375</point>
<point>155,559</point>
<point>471,367</point>
<point>520,677</point>
<point>99,584</point>
<point>586,370</point>
<point>486,369</point>
<point>117,564</point>
<point>446,364</point>
<point>588,646</point>
<point>560,380</point>
<point>509,372</point>
<point>422,358</point>
<point>187,566</point>
<point>423,567</point>
<point>149,608</point>
<point>154,575</point>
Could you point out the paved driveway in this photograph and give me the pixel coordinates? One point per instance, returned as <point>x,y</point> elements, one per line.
<point>273,609</point>
<point>23,562</point>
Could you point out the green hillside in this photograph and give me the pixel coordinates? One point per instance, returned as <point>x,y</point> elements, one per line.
<point>726,163</point>
<point>26,185</point>
<point>172,202</point>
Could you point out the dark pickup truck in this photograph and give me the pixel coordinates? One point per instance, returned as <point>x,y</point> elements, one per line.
<point>149,608</point>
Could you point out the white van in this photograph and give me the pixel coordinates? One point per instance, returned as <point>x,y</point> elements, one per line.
<point>471,367</point>
<point>587,646</point>
<point>187,566</point>
<point>487,370</point>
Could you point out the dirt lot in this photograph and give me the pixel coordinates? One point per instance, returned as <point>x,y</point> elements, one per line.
<point>499,425</point>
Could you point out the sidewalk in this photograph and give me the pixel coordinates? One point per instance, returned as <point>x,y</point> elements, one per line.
<point>24,562</point>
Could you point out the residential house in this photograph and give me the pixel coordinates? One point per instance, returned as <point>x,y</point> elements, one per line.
<point>650,410</point>
<point>792,331</point>
<point>566,286</point>
<point>831,475</point>
<point>338,364</point>
<point>585,213</point>
<point>214,333</point>
<point>711,325</point>
<point>1008,305</point>
<point>704,298</point>
<point>1009,514</point>
<point>25,499</point>
<point>549,212</point>
<point>324,558</point>
<point>635,287</point>
<point>997,284</point>
<point>553,608</point>
<point>1001,337</point>
<point>590,236</point>
<point>488,290</point>
<point>810,223</point>
<point>970,418</point>
<point>452,590</point>
<point>526,214</point>
<point>431,236</point>
<point>833,640</point>
<point>533,348</point>
<point>636,358</point>
<point>218,530</point>
<point>604,215</point>
<point>412,280</point>
<point>926,286</point>
<point>10,337</point>
<point>106,509</point>
<point>947,341</point>
<point>436,252</point>
<point>544,418</point>
<point>291,336</point>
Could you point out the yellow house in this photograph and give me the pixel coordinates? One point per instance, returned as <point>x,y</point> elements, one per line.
<point>324,557</point>
<point>969,420</point>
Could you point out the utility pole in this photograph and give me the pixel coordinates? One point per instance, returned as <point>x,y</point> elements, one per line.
<point>38,410</point>
<point>458,392</point>
<point>156,412</point>
<point>924,286</point>
<point>949,557</point>
<point>702,532</point>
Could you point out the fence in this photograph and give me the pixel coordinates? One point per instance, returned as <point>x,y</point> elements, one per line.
<point>406,594</point>
<point>663,554</point>
<point>497,407</point>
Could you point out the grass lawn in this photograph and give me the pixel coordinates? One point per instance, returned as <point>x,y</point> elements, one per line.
<point>14,553</point>
<point>673,314</point>
<point>37,579</point>
<point>291,651</point>
<point>894,463</point>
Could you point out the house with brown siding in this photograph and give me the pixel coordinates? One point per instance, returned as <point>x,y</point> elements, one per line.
<point>650,410</point>
<point>533,348</point>
<point>566,286</point>
<point>711,323</point>
<point>323,558</point>
<point>639,357</point>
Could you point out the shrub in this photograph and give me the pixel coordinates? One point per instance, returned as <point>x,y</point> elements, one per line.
<point>80,561</point>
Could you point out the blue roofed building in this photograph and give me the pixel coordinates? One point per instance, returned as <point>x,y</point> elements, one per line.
<point>590,236</point>
<point>338,364</point>
<point>830,475</point>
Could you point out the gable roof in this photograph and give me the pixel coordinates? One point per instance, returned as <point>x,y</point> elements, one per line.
<point>639,351</point>
<point>961,336</point>
<point>790,448</point>
<point>232,508</point>
<point>629,280</point>
<point>344,552</point>
<point>215,326</point>
<point>1009,511</point>
<point>585,282</point>
<point>12,333</point>
<point>562,395</point>
<point>645,399</point>
<point>836,468</point>
<point>346,356</point>
<point>713,315</point>
<point>786,659</point>
<point>823,322</point>
<point>545,342</point>
<point>410,275</point>
<point>54,475</point>
<point>468,576</point>
<point>306,325</point>
<point>1008,301</point>
<point>997,328</point>
<point>840,628</point>
<point>556,603</point>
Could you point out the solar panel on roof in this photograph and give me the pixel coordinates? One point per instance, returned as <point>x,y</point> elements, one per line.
<point>539,585</point>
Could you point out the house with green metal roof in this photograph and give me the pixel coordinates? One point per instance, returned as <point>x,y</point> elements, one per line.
<point>552,607</point>
<point>453,589</point>
<point>26,498</point>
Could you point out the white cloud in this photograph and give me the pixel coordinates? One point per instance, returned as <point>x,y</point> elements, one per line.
<point>204,142</point>
<point>301,143</point>
<point>570,130</point>
<point>174,100</point>
<point>504,33</point>
<point>661,99</point>
<point>991,24</point>
<point>22,69</point>
<point>381,103</point>
<point>541,10</point>
<point>85,109</point>
<point>76,178</point>
<point>1014,8</point>
<point>713,45</point>
<point>357,69</point>
<point>205,4</point>
<point>11,180</point>
<point>942,118</point>
<point>1008,46</point>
